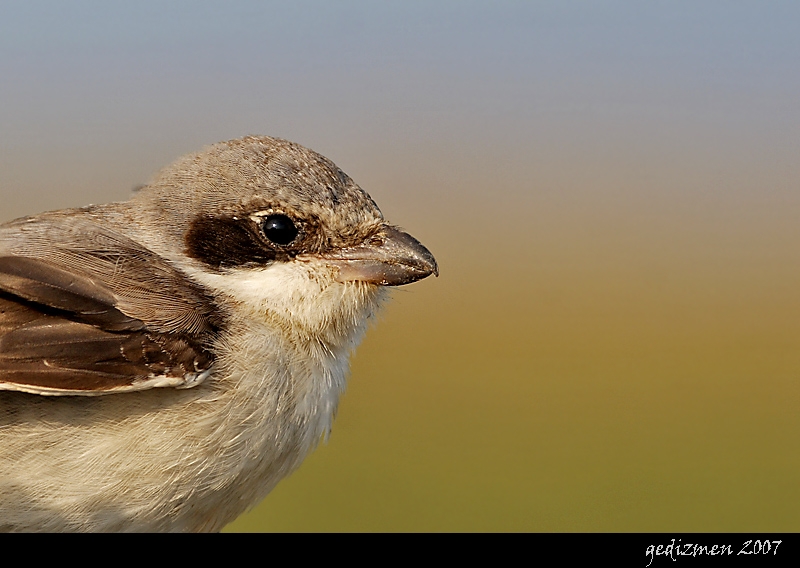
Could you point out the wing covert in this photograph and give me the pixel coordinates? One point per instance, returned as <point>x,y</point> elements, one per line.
<point>86,310</point>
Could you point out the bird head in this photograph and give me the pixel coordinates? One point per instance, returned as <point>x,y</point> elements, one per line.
<point>280,228</point>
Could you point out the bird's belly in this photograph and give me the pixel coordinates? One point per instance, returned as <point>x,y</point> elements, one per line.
<point>159,460</point>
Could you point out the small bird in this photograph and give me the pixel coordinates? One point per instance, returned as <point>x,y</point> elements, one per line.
<point>165,361</point>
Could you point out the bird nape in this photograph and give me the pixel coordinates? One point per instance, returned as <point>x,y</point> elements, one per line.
<point>165,361</point>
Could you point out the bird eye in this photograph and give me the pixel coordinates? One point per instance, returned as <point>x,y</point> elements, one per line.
<point>279,229</point>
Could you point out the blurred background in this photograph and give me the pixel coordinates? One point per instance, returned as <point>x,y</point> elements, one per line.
<point>612,191</point>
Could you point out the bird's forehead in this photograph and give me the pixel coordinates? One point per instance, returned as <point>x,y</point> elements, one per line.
<point>260,173</point>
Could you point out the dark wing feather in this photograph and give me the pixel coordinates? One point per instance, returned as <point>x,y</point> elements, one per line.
<point>86,310</point>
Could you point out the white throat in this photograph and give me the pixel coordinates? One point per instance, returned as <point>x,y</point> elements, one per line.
<point>291,331</point>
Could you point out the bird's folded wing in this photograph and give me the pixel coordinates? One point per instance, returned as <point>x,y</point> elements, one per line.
<point>85,310</point>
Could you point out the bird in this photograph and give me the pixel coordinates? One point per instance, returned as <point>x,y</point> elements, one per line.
<point>165,361</point>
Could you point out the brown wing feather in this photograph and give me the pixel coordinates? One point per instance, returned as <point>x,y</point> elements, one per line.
<point>93,312</point>
<point>144,286</point>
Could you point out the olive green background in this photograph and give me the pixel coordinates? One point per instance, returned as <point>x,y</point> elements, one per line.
<point>612,192</point>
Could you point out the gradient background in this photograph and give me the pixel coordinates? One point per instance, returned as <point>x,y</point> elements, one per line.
<point>612,191</point>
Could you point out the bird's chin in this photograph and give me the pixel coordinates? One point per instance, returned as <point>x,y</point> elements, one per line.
<point>341,314</point>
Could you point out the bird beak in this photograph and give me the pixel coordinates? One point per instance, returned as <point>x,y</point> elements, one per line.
<point>390,258</point>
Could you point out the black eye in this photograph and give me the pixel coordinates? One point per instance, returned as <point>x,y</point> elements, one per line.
<point>279,229</point>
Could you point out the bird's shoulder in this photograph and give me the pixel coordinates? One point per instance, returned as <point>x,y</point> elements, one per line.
<point>86,309</point>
